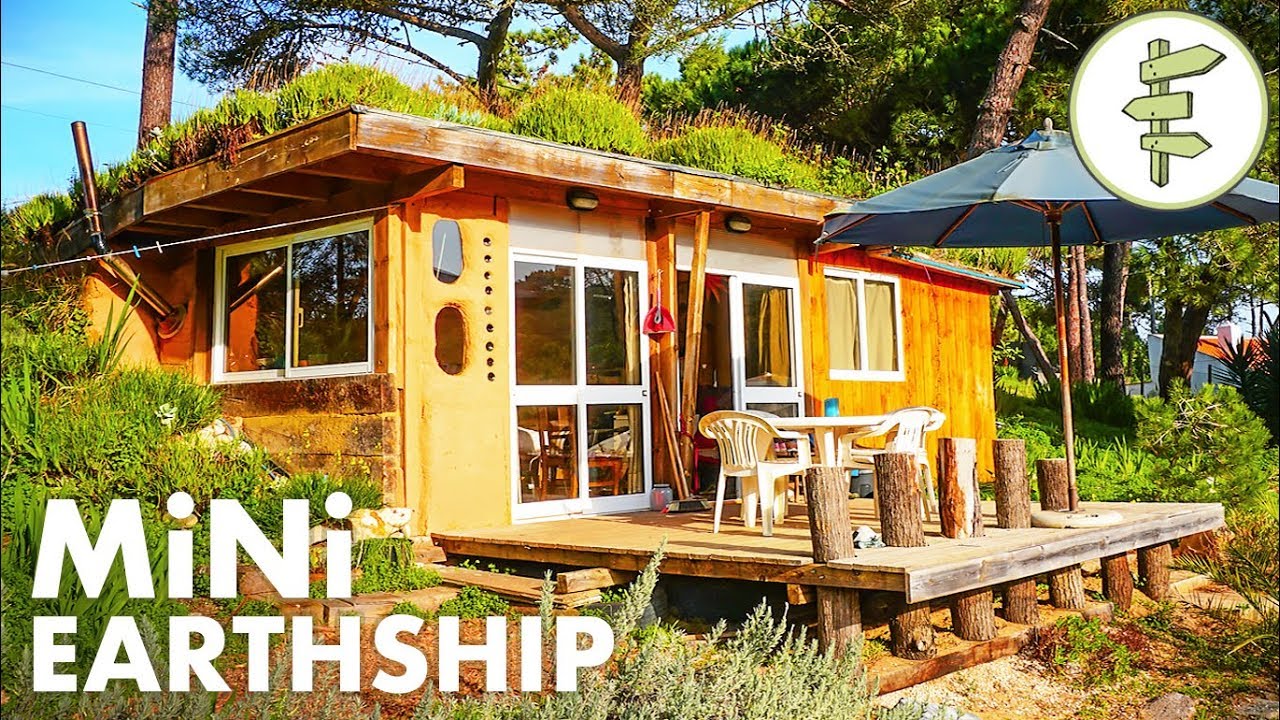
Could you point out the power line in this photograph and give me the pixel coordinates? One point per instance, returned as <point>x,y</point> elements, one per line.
<point>62,117</point>
<point>86,82</point>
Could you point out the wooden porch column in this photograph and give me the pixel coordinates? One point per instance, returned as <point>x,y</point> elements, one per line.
<point>1013,510</point>
<point>1153,570</point>
<point>693,342</point>
<point>1066,586</point>
<point>902,525</point>
<point>973,614</point>
<point>839,611</point>
<point>661,254</point>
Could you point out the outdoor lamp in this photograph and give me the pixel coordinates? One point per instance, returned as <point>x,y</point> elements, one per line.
<point>582,199</point>
<point>737,222</point>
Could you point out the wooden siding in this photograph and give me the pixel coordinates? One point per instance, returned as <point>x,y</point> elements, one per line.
<point>946,325</point>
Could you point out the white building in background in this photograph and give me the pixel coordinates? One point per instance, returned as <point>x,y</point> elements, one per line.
<point>1209,366</point>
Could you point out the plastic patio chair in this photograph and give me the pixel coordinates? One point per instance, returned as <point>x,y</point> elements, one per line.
<point>904,432</point>
<point>746,443</point>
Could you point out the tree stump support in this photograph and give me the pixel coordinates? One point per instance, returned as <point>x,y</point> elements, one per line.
<point>973,613</point>
<point>902,525</point>
<point>1013,510</point>
<point>1153,570</point>
<point>1066,586</point>
<point>839,609</point>
<point>1117,582</point>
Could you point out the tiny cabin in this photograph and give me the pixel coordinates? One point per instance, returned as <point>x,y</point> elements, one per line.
<point>461,312</point>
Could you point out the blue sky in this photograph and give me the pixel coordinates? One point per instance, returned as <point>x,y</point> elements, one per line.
<point>100,41</point>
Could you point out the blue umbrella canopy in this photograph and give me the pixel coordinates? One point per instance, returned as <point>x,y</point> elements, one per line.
<point>1002,197</point>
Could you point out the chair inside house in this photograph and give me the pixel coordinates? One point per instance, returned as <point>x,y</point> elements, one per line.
<point>903,431</point>
<point>746,442</point>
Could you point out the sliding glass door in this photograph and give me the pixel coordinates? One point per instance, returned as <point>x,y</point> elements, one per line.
<point>580,386</point>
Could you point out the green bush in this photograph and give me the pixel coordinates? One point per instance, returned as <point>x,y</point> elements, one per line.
<point>387,565</point>
<point>1254,369</point>
<point>584,118</point>
<point>1208,446</point>
<point>474,602</point>
<point>1103,402</point>
<point>1098,654</point>
<point>313,487</point>
<point>408,608</point>
<point>736,151</point>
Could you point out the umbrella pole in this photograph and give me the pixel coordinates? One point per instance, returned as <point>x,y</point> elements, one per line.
<point>1064,373</point>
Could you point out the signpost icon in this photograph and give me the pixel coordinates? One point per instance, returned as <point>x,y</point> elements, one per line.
<point>1160,106</point>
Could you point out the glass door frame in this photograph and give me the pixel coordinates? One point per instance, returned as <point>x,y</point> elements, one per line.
<point>744,394</point>
<point>581,395</point>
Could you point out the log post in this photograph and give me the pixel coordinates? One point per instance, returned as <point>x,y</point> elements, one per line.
<point>839,609</point>
<point>1066,586</point>
<point>1153,570</point>
<point>1013,510</point>
<point>973,613</point>
<point>902,525</point>
<point>1117,582</point>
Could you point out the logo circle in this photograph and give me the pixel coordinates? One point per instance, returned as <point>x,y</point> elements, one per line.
<point>1168,110</point>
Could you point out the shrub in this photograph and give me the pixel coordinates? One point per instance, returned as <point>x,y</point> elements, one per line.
<point>1104,403</point>
<point>474,602</point>
<point>1090,649</point>
<point>1255,370</point>
<point>585,118</point>
<point>387,565</point>
<point>408,608</point>
<point>1208,446</point>
<point>736,151</point>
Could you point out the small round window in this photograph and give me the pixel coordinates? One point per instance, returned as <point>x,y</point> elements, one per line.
<point>446,250</point>
<point>451,340</point>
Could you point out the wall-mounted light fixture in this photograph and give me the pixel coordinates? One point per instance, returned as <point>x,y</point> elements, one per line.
<point>582,199</point>
<point>737,222</point>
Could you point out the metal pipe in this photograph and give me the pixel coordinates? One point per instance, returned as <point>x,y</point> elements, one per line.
<point>170,317</point>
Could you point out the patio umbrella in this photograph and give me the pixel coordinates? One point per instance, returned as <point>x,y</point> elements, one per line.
<point>1034,193</point>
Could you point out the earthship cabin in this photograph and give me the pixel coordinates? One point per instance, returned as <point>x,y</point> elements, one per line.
<point>460,311</point>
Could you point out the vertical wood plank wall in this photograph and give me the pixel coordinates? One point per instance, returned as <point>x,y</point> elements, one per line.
<point>457,428</point>
<point>946,324</point>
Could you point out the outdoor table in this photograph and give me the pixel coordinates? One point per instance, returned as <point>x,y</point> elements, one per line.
<point>826,430</point>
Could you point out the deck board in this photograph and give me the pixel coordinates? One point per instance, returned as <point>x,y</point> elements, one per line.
<point>945,567</point>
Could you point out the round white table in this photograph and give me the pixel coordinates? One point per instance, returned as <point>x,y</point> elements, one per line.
<point>827,429</point>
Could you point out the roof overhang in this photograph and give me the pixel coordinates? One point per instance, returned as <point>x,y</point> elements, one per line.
<point>360,157</point>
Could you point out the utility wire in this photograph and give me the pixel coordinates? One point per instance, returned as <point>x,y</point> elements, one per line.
<point>137,251</point>
<point>86,82</point>
<point>63,117</point>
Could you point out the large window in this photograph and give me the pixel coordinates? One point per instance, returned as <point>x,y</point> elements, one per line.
<point>864,324</point>
<point>296,306</point>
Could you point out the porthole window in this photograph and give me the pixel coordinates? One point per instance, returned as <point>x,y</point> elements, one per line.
<point>446,250</point>
<point>451,340</point>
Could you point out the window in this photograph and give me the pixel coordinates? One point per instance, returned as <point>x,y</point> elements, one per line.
<point>446,251</point>
<point>297,306</point>
<point>864,324</point>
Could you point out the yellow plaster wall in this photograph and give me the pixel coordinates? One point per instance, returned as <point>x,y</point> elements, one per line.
<point>457,432</point>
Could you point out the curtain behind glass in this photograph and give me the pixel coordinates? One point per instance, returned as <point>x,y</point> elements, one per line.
<point>842,323</point>
<point>768,335</point>
<point>882,330</point>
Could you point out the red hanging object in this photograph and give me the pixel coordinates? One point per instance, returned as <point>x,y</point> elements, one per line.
<point>659,320</point>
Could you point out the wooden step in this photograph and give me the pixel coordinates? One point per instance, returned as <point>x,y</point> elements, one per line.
<point>513,587</point>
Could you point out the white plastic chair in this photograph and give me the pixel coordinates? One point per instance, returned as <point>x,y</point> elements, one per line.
<point>904,432</point>
<point>746,442</point>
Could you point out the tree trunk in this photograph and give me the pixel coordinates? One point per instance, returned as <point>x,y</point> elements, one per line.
<point>1074,358</point>
<point>1182,327</point>
<point>1047,368</point>
<point>1153,570</point>
<point>1054,484</point>
<point>1006,78</point>
<point>839,609</point>
<point>1115,278</point>
<point>902,525</point>
<point>973,615</point>
<point>630,77</point>
<point>997,327</point>
<point>491,53</point>
<point>157,68</point>
<point>1087,371</point>
<point>1013,510</point>
<point>1066,588</point>
<point>1117,581</point>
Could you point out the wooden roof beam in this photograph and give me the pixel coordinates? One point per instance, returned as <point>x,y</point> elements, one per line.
<point>191,217</point>
<point>297,186</point>
<point>426,183</point>
<point>240,203</point>
<point>669,209</point>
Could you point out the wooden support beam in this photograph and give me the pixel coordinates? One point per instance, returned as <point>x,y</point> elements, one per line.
<point>959,504</point>
<point>1117,582</point>
<point>591,579</point>
<point>1066,588</point>
<point>425,184</point>
<point>189,217</point>
<point>1153,570</point>
<point>163,230</point>
<point>356,168</point>
<point>670,209</point>
<point>1013,510</point>
<point>660,252</point>
<point>902,525</point>
<point>298,186</point>
<point>692,345</point>
<point>1066,585</point>
<point>830,531</point>
<point>241,203</point>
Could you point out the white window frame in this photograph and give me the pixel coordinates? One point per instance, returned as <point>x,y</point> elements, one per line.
<point>218,355</point>
<point>860,278</point>
<point>580,394</point>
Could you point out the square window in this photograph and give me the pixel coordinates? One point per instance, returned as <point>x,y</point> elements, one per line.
<point>864,327</point>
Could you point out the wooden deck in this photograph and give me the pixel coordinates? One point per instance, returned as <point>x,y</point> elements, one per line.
<point>945,567</point>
